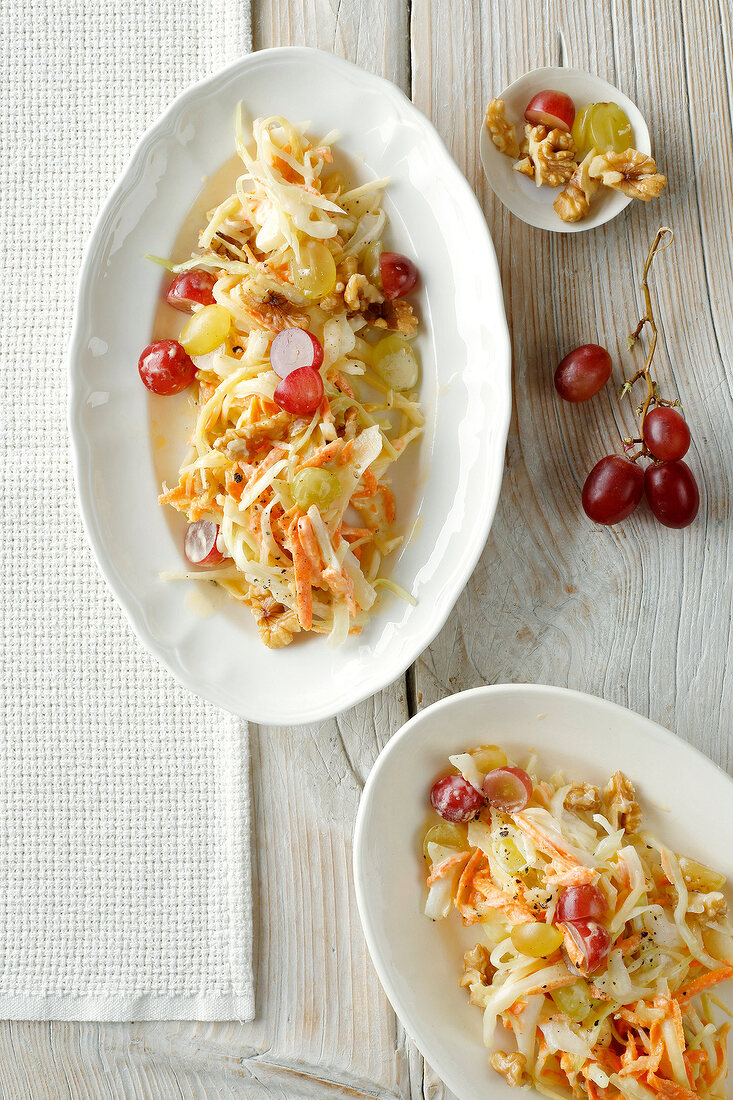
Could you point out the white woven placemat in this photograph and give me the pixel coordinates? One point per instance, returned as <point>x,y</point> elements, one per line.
<point>125,887</point>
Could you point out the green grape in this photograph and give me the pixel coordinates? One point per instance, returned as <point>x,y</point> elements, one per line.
<point>370,262</point>
<point>581,131</point>
<point>511,858</point>
<point>395,362</point>
<point>447,835</point>
<point>315,274</point>
<point>610,128</point>
<point>319,487</point>
<point>206,330</point>
<point>536,938</point>
<point>601,126</point>
<point>574,1000</point>
<point>488,757</point>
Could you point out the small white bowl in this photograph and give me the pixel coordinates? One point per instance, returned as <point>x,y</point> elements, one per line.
<point>521,195</point>
<point>685,798</point>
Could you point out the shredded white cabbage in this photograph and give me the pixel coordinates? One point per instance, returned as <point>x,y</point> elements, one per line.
<point>282,248</point>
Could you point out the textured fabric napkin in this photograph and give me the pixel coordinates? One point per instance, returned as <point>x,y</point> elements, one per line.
<point>125,887</point>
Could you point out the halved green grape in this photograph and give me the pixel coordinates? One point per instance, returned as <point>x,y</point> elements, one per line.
<point>206,330</point>
<point>448,835</point>
<point>315,274</point>
<point>488,757</point>
<point>314,486</point>
<point>511,858</point>
<point>574,1000</point>
<point>537,939</point>
<point>610,128</point>
<point>370,262</point>
<point>581,131</point>
<point>601,126</point>
<point>395,362</point>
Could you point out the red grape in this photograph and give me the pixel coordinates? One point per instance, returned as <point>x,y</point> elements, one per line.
<point>455,799</point>
<point>583,373</point>
<point>666,433</point>
<point>551,108</point>
<point>199,544</point>
<point>579,902</point>
<point>398,273</point>
<point>194,287</point>
<point>672,493</point>
<point>612,489</point>
<point>301,392</point>
<point>166,368</point>
<point>591,943</point>
<point>509,789</point>
<point>293,348</point>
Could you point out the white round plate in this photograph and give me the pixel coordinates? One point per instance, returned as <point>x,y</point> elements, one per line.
<point>521,195</point>
<point>123,437</point>
<point>685,798</point>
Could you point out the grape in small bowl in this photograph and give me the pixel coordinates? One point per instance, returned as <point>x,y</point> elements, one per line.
<point>519,193</point>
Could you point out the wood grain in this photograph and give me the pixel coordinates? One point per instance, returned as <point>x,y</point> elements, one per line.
<point>638,614</point>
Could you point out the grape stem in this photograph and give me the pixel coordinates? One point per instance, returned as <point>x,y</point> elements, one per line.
<point>652,393</point>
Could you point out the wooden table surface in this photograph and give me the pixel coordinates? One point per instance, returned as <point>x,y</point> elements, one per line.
<point>638,614</point>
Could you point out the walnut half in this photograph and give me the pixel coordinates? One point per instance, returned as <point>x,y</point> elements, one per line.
<point>500,129</point>
<point>550,156</point>
<point>573,203</point>
<point>477,973</point>
<point>620,799</point>
<point>582,796</point>
<point>632,172</point>
<point>512,1067</point>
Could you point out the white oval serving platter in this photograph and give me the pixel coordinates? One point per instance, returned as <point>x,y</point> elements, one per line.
<point>446,492</point>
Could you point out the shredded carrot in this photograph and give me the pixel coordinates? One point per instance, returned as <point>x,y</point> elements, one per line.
<point>669,1089</point>
<point>322,456</point>
<point>516,911</point>
<point>341,585</point>
<point>628,944</point>
<point>341,384</point>
<point>301,568</point>
<point>345,455</point>
<point>467,911</point>
<point>352,533</point>
<point>559,854</point>
<point>309,542</point>
<point>446,865</point>
<point>706,981</point>
<point>390,507</point>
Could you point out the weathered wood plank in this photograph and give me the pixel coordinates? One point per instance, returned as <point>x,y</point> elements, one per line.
<point>632,613</point>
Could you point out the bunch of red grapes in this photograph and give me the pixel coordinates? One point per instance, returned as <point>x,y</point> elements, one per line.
<point>616,484</point>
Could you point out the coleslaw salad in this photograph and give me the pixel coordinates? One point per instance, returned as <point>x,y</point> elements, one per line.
<point>637,1017</point>
<point>301,563</point>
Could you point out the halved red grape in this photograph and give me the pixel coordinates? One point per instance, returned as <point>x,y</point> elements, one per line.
<point>672,493</point>
<point>191,288</point>
<point>301,392</point>
<point>455,799</point>
<point>612,489</point>
<point>666,433</point>
<point>398,273</point>
<point>583,373</point>
<point>166,368</point>
<point>199,544</point>
<point>551,108</point>
<point>579,902</point>
<point>509,789</point>
<point>589,945</point>
<point>293,348</point>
